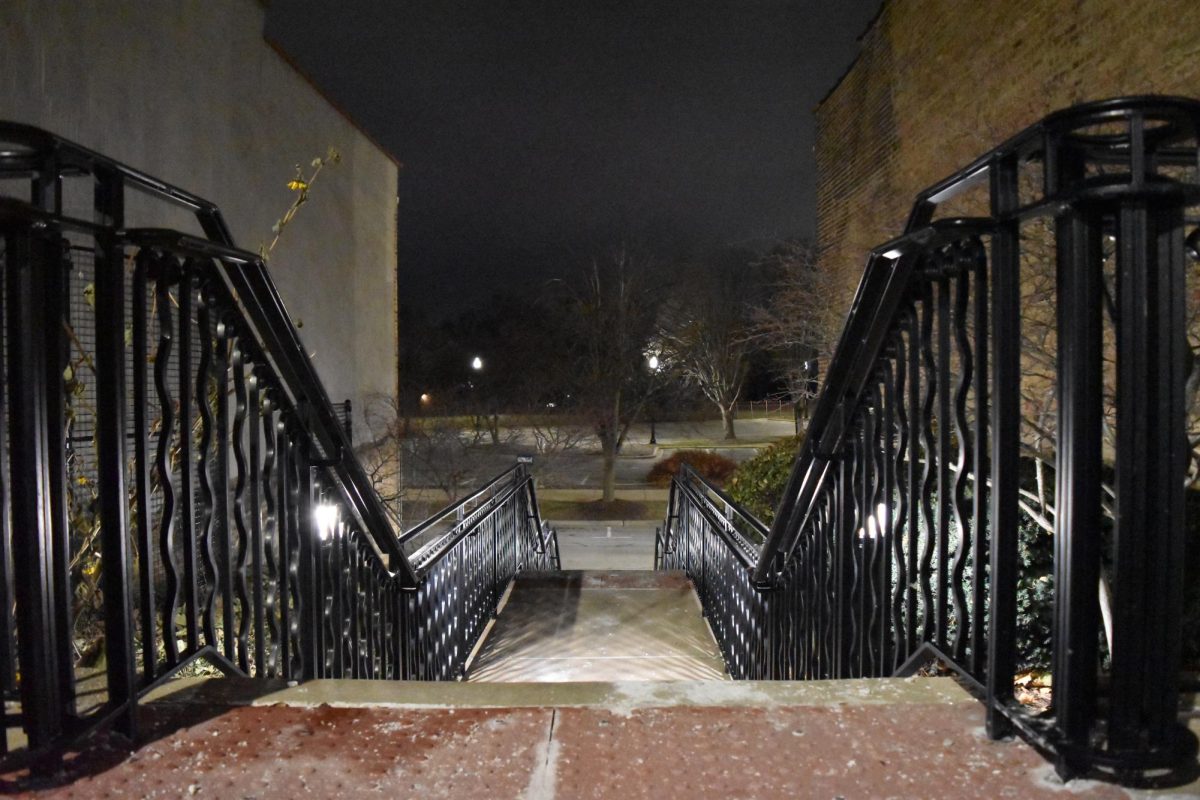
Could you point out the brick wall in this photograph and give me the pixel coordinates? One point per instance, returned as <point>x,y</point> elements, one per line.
<point>938,82</point>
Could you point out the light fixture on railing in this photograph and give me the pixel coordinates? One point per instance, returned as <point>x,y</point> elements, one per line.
<point>1192,245</point>
<point>326,517</point>
<point>874,527</point>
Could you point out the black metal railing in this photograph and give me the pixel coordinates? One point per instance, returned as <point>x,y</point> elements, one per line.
<point>1020,356</point>
<point>708,536</point>
<point>177,492</point>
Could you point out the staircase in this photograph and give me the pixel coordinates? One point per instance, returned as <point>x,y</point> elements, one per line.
<point>228,526</point>
<point>605,627</point>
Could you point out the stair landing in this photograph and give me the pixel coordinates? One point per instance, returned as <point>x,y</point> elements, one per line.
<point>587,626</point>
<point>901,738</point>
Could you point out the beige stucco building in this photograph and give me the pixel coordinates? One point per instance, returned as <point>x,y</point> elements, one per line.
<point>191,92</point>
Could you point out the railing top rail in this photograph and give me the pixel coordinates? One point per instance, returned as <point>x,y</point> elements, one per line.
<point>1075,127</point>
<point>246,277</point>
<point>453,507</point>
<point>427,556</point>
<point>1091,131</point>
<point>759,526</point>
<point>746,552</point>
<point>25,148</point>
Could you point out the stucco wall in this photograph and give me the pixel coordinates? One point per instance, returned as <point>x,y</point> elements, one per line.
<point>938,82</point>
<point>190,92</point>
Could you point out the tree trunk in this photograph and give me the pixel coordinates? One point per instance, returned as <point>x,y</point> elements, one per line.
<point>609,480</point>
<point>727,421</point>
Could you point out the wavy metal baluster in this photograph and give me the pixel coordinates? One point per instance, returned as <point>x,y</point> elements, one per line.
<point>238,367</point>
<point>167,269</point>
<point>880,555</point>
<point>928,476</point>
<point>944,490</point>
<point>331,597</point>
<point>222,534</point>
<point>854,555</point>
<point>254,516</point>
<point>350,589</point>
<point>204,386</point>
<point>868,532</point>
<point>912,479</point>
<point>828,604</point>
<point>979,586</point>
<point>144,264</point>
<point>187,456</point>
<point>889,614</point>
<point>962,430</point>
<point>900,649</point>
<point>270,540</point>
<point>293,601</point>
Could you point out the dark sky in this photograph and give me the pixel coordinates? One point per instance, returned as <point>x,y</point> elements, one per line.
<point>535,133</point>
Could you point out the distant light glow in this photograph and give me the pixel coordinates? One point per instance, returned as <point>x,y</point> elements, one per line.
<point>477,363</point>
<point>426,398</point>
<point>653,362</point>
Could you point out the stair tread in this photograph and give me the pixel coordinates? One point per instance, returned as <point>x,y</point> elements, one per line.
<point>582,625</point>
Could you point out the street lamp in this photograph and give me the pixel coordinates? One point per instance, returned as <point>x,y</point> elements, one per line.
<point>654,365</point>
<point>477,364</point>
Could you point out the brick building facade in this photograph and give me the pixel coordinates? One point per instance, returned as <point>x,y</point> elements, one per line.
<point>939,82</point>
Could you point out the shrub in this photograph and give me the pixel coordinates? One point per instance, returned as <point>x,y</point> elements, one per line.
<point>716,468</point>
<point>757,485</point>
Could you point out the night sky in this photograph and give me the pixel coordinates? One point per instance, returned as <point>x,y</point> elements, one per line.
<point>533,134</point>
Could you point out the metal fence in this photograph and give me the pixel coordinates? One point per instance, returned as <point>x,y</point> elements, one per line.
<point>1020,356</point>
<point>177,493</point>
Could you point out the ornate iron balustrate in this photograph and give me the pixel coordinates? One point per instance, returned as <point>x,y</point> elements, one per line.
<point>180,489</point>
<point>896,542</point>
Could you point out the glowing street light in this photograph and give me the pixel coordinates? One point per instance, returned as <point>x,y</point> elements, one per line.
<point>477,363</point>
<point>653,363</point>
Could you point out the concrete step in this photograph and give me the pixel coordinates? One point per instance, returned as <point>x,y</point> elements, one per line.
<point>579,626</point>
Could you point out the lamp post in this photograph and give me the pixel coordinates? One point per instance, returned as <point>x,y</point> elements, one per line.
<point>654,364</point>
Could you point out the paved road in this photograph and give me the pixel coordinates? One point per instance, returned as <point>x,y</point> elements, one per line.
<point>612,545</point>
<point>582,467</point>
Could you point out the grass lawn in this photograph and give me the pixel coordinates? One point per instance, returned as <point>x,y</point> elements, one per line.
<point>554,510</point>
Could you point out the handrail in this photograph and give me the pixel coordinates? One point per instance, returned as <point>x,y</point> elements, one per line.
<point>896,539</point>
<point>173,448</point>
<point>454,506</point>
<point>73,159</point>
<point>747,552</point>
<point>250,286</point>
<point>438,548</point>
<point>889,266</point>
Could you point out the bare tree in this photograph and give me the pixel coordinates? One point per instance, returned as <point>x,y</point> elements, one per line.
<point>609,315</point>
<point>437,452</point>
<point>798,323</point>
<point>704,333</point>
